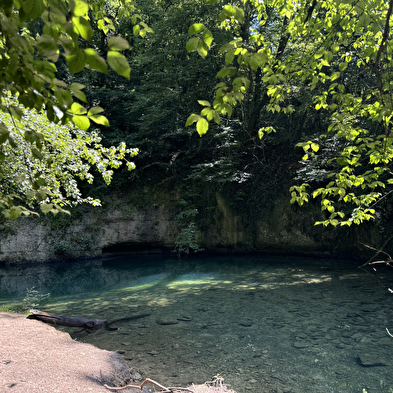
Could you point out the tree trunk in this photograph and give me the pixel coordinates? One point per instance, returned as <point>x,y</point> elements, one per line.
<point>86,323</point>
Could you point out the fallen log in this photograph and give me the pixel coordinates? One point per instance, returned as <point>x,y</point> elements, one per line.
<point>86,323</point>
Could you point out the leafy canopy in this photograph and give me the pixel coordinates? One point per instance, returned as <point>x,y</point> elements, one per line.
<point>46,170</point>
<point>28,142</point>
<point>322,47</point>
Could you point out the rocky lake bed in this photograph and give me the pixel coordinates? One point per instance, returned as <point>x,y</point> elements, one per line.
<point>272,329</point>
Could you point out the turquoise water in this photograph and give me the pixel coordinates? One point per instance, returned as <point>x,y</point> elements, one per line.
<point>266,324</point>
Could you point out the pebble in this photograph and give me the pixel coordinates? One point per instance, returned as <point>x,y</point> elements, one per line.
<point>184,319</point>
<point>167,322</point>
<point>301,344</point>
<point>367,360</point>
<point>245,323</point>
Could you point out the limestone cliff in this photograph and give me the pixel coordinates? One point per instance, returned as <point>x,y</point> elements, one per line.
<point>280,228</point>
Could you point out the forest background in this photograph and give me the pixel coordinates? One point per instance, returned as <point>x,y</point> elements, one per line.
<point>290,100</point>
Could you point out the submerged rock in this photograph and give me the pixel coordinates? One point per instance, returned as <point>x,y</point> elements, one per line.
<point>301,344</point>
<point>184,319</point>
<point>367,360</point>
<point>167,322</point>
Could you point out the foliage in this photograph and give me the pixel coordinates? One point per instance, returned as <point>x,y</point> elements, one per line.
<point>36,156</point>
<point>187,239</point>
<point>47,176</point>
<point>340,52</point>
<point>5,309</point>
<point>33,299</point>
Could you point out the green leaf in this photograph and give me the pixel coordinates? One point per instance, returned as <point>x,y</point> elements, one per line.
<point>207,37</point>
<point>81,8</point>
<point>229,56</point>
<point>78,109</point>
<point>258,60</point>
<point>36,153</point>
<point>76,62</point>
<point>201,49</point>
<point>33,9</point>
<point>94,110</point>
<point>82,27</point>
<point>95,61</point>
<point>192,119</point>
<point>99,119</point>
<point>76,90</point>
<point>46,207</point>
<point>119,64</point>
<point>202,126</point>
<point>136,29</point>
<point>335,75</point>
<point>4,134</point>
<point>196,28</point>
<point>223,72</point>
<point>46,44</point>
<point>342,66</point>
<point>81,121</point>
<point>314,147</point>
<point>204,103</point>
<point>239,15</point>
<point>192,44</point>
<point>118,44</point>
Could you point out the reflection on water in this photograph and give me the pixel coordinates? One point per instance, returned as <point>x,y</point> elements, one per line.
<point>266,324</point>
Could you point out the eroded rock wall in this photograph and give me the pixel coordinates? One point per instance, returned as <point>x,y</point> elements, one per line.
<point>281,228</point>
<point>37,240</point>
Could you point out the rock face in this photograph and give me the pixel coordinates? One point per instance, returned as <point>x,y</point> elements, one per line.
<point>89,235</point>
<point>280,228</point>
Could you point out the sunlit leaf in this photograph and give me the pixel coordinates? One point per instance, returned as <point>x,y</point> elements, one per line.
<point>202,126</point>
<point>99,119</point>
<point>81,8</point>
<point>118,44</point>
<point>119,64</point>
<point>82,27</point>
<point>196,28</point>
<point>82,122</point>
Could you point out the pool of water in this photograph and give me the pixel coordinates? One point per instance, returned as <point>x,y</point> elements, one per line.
<point>266,324</point>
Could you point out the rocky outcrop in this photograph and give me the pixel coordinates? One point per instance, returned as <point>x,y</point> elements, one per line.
<point>280,228</point>
<point>89,235</point>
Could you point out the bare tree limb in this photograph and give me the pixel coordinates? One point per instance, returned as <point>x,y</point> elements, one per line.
<point>369,262</point>
<point>146,381</point>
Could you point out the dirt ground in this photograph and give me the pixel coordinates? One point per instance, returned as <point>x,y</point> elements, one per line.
<point>35,357</point>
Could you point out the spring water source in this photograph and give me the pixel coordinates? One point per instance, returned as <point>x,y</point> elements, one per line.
<point>265,324</point>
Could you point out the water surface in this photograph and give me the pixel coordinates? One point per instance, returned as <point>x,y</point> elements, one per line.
<point>266,324</point>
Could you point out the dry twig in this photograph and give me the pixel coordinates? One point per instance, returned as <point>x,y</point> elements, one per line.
<point>369,262</point>
<point>146,381</point>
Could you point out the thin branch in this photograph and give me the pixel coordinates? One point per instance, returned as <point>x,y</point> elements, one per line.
<point>385,33</point>
<point>146,381</point>
<point>369,262</point>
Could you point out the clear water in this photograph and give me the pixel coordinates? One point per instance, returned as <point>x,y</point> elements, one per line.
<point>266,324</point>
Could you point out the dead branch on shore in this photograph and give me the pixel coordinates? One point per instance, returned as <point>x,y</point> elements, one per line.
<point>148,380</point>
<point>216,385</point>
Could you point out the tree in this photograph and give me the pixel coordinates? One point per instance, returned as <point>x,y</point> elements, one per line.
<point>338,51</point>
<point>48,175</point>
<point>28,73</point>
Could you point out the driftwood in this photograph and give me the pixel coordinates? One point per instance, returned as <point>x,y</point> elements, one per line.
<point>216,385</point>
<point>146,381</point>
<point>86,323</point>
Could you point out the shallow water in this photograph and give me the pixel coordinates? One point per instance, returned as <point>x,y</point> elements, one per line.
<point>266,324</point>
